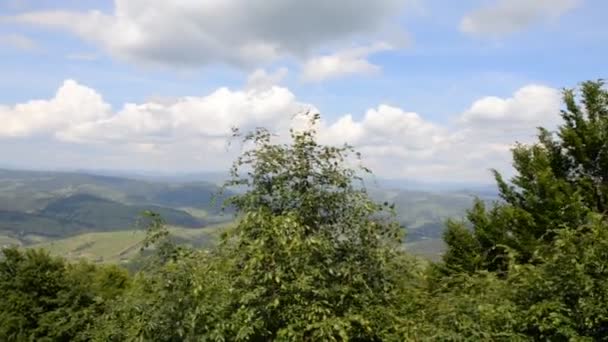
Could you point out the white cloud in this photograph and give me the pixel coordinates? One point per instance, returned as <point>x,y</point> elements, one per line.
<point>73,104</point>
<point>18,41</point>
<point>508,16</point>
<point>530,104</point>
<point>78,113</point>
<point>404,145</point>
<point>235,32</point>
<point>190,133</point>
<point>341,63</point>
<point>385,125</point>
<point>207,117</point>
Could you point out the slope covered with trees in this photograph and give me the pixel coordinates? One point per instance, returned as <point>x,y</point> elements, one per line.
<point>313,258</point>
<point>38,206</point>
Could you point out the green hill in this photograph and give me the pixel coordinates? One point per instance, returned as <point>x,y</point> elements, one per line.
<point>33,190</point>
<point>102,214</point>
<point>422,213</point>
<point>37,207</point>
<point>85,213</point>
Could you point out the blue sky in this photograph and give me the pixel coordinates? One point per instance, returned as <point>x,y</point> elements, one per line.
<point>426,89</point>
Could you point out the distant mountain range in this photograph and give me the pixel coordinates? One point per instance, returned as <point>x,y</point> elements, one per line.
<point>39,206</point>
<point>57,204</point>
<point>218,177</point>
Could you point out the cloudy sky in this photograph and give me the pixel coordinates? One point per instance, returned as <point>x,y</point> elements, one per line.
<point>426,89</point>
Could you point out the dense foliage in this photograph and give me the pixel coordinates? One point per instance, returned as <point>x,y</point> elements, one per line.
<point>547,238</point>
<point>560,180</point>
<point>313,258</point>
<point>46,299</point>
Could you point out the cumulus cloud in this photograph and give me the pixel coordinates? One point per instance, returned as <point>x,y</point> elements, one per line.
<point>530,104</point>
<point>503,17</point>
<point>483,135</point>
<point>385,125</point>
<point>191,132</point>
<point>79,114</point>
<point>403,144</point>
<point>73,104</point>
<point>18,41</point>
<point>341,63</point>
<point>236,32</point>
<point>211,116</point>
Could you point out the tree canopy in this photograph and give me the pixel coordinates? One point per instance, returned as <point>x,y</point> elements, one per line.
<point>560,180</point>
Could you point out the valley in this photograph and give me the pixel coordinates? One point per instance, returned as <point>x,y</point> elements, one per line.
<point>85,215</point>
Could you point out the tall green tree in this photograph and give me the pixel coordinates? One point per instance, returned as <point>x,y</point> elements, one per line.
<point>314,256</point>
<point>311,258</point>
<point>559,180</point>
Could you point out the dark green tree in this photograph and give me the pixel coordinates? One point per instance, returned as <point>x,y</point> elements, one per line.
<point>559,180</point>
<point>46,299</point>
<point>562,297</point>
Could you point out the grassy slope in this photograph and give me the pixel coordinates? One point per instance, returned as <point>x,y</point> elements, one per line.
<point>6,240</point>
<point>122,245</point>
<point>430,249</point>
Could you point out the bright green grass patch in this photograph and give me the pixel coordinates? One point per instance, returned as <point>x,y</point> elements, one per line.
<point>430,249</point>
<point>6,241</point>
<point>100,247</point>
<point>120,246</point>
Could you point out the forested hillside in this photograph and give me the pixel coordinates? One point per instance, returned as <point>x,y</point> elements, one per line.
<point>33,190</point>
<point>45,206</point>
<point>63,208</point>
<point>313,257</point>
